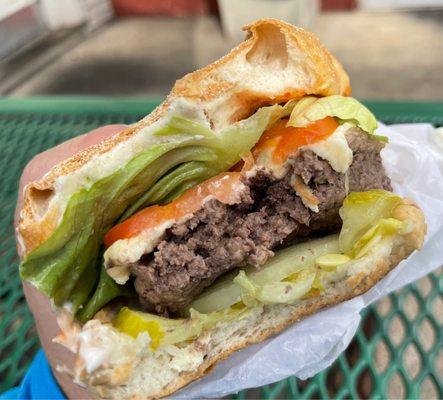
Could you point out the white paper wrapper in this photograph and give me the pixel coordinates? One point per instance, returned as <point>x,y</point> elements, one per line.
<point>414,161</point>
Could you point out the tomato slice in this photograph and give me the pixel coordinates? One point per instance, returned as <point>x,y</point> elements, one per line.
<point>281,140</point>
<point>284,141</point>
<point>220,186</point>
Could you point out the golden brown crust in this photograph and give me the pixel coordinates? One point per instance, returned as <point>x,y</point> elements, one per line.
<point>410,211</point>
<point>403,246</point>
<point>270,43</point>
<point>275,63</point>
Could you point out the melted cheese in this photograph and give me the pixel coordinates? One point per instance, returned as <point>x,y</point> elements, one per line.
<point>335,149</point>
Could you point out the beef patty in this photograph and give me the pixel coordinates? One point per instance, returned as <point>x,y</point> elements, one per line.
<point>220,237</point>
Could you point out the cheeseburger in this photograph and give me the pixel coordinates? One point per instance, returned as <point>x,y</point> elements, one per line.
<point>253,196</point>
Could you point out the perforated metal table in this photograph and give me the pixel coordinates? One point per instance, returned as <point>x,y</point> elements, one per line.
<point>397,351</point>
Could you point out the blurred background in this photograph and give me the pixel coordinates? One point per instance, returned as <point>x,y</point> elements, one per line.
<point>392,49</point>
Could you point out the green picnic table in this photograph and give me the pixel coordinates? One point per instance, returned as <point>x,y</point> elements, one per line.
<point>377,364</point>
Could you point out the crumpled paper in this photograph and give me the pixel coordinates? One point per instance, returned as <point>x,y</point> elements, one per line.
<point>414,161</point>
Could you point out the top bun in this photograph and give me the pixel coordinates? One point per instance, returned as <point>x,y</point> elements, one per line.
<point>276,62</point>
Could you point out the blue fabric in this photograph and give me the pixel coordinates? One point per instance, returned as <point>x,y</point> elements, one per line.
<point>38,383</point>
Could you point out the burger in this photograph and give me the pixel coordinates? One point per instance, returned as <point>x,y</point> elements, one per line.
<point>253,196</point>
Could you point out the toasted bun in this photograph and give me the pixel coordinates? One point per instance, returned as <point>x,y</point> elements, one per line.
<point>143,374</point>
<point>275,63</point>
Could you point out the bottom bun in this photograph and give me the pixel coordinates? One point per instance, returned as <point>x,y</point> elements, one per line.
<point>113,365</point>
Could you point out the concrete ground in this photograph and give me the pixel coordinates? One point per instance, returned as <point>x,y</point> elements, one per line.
<point>388,56</point>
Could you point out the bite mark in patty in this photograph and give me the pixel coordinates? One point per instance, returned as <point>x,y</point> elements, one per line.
<point>219,237</point>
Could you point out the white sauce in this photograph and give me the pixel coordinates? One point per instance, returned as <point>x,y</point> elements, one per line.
<point>100,344</point>
<point>69,329</point>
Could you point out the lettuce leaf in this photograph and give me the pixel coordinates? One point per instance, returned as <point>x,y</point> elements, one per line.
<point>347,109</point>
<point>384,227</point>
<point>367,221</point>
<point>361,211</point>
<point>68,266</point>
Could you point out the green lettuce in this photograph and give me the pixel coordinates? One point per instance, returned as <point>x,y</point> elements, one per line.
<point>384,227</point>
<point>367,222</point>
<point>346,109</point>
<point>68,267</point>
<point>361,211</point>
